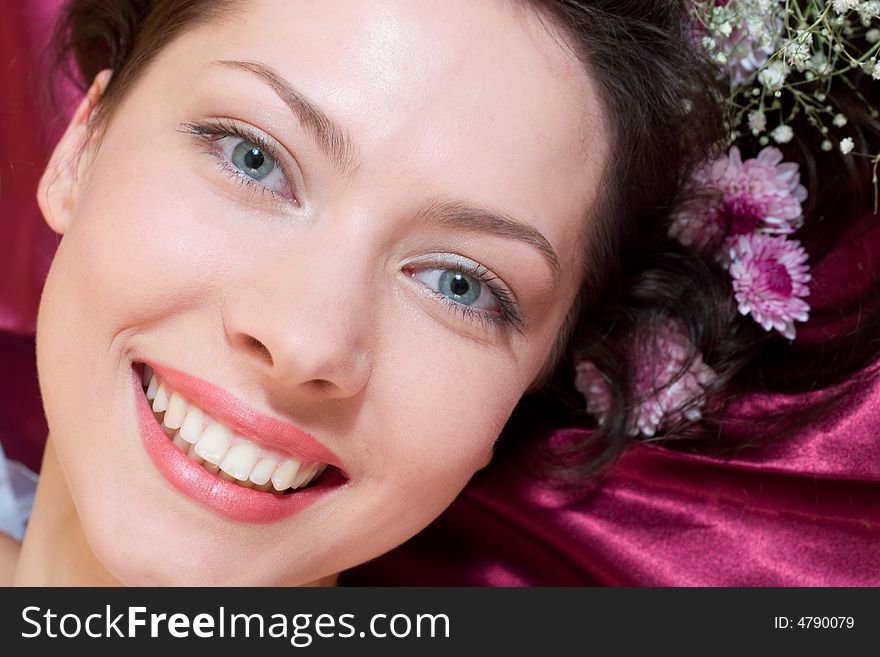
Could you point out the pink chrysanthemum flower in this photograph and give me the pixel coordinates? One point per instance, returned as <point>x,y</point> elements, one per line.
<point>663,394</point>
<point>770,276</point>
<point>741,197</point>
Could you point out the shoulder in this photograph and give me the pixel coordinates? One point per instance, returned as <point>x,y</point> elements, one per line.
<point>9,549</point>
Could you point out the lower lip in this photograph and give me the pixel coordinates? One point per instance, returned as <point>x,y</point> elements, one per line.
<point>227,499</point>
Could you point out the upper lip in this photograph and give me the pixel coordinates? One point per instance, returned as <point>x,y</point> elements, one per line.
<point>243,419</point>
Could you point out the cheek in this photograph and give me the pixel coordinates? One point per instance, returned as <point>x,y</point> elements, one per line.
<point>149,243</point>
<point>443,406</point>
<point>138,252</point>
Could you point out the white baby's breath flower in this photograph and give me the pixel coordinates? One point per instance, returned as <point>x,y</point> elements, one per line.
<point>757,122</point>
<point>741,35</point>
<point>773,76</point>
<point>782,134</point>
<point>797,51</point>
<point>768,51</point>
<point>725,29</point>
<point>868,10</point>
<point>843,6</point>
<point>756,26</point>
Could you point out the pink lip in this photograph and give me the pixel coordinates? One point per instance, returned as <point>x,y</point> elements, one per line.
<point>228,499</point>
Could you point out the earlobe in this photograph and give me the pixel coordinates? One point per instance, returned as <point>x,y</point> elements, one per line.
<point>59,185</point>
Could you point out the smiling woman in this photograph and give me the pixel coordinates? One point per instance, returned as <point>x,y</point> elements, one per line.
<point>315,256</point>
<point>322,269</point>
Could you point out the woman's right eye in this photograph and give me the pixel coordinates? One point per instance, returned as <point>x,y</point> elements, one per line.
<point>253,161</point>
<point>245,156</point>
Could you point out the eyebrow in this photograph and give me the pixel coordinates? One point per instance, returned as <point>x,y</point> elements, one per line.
<point>461,216</point>
<point>330,136</point>
<point>334,141</point>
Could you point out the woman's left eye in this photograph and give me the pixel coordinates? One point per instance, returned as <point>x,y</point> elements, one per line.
<point>471,290</point>
<point>460,287</point>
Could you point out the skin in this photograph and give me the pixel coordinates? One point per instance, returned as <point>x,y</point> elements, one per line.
<point>305,310</point>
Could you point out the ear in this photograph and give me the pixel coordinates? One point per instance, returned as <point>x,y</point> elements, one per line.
<point>59,185</point>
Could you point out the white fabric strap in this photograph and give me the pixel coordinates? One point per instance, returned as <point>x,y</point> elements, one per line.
<point>17,488</point>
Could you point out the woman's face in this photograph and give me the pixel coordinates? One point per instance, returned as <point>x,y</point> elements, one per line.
<point>347,233</point>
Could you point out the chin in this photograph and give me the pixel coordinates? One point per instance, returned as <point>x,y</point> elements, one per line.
<point>147,554</point>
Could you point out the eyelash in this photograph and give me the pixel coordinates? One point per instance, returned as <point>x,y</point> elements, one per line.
<point>508,317</point>
<point>209,133</point>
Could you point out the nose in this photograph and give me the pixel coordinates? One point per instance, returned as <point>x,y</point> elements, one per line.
<point>303,321</point>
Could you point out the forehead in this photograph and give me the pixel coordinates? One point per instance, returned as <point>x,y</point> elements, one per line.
<point>478,100</point>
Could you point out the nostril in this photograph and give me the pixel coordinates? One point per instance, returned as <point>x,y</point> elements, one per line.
<point>260,349</point>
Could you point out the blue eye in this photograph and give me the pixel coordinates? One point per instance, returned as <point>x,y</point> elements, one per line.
<point>460,287</point>
<point>472,291</point>
<point>252,160</point>
<point>246,155</point>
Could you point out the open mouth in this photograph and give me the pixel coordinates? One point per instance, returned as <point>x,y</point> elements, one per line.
<point>211,444</point>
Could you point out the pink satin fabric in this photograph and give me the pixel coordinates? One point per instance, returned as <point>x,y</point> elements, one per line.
<point>803,511</point>
<point>28,128</point>
<point>30,123</point>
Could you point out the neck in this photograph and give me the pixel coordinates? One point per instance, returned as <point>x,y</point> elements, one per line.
<point>55,551</point>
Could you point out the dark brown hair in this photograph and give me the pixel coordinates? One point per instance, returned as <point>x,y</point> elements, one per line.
<point>660,99</point>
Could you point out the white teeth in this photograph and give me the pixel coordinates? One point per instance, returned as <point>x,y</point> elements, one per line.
<point>240,460</point>
<point>316,472</point>
<point>181,444</point>
<point>300,476</point>
<point>263,470</point>
<point>195,458</point>
<point>191,430</point>
<point>176,411</point>
<point>160,403</point>
<point>232,458</point>
<point>214,442</point>
<point>152,388</point>
<point>304,476</point>
<point>284,474</point>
